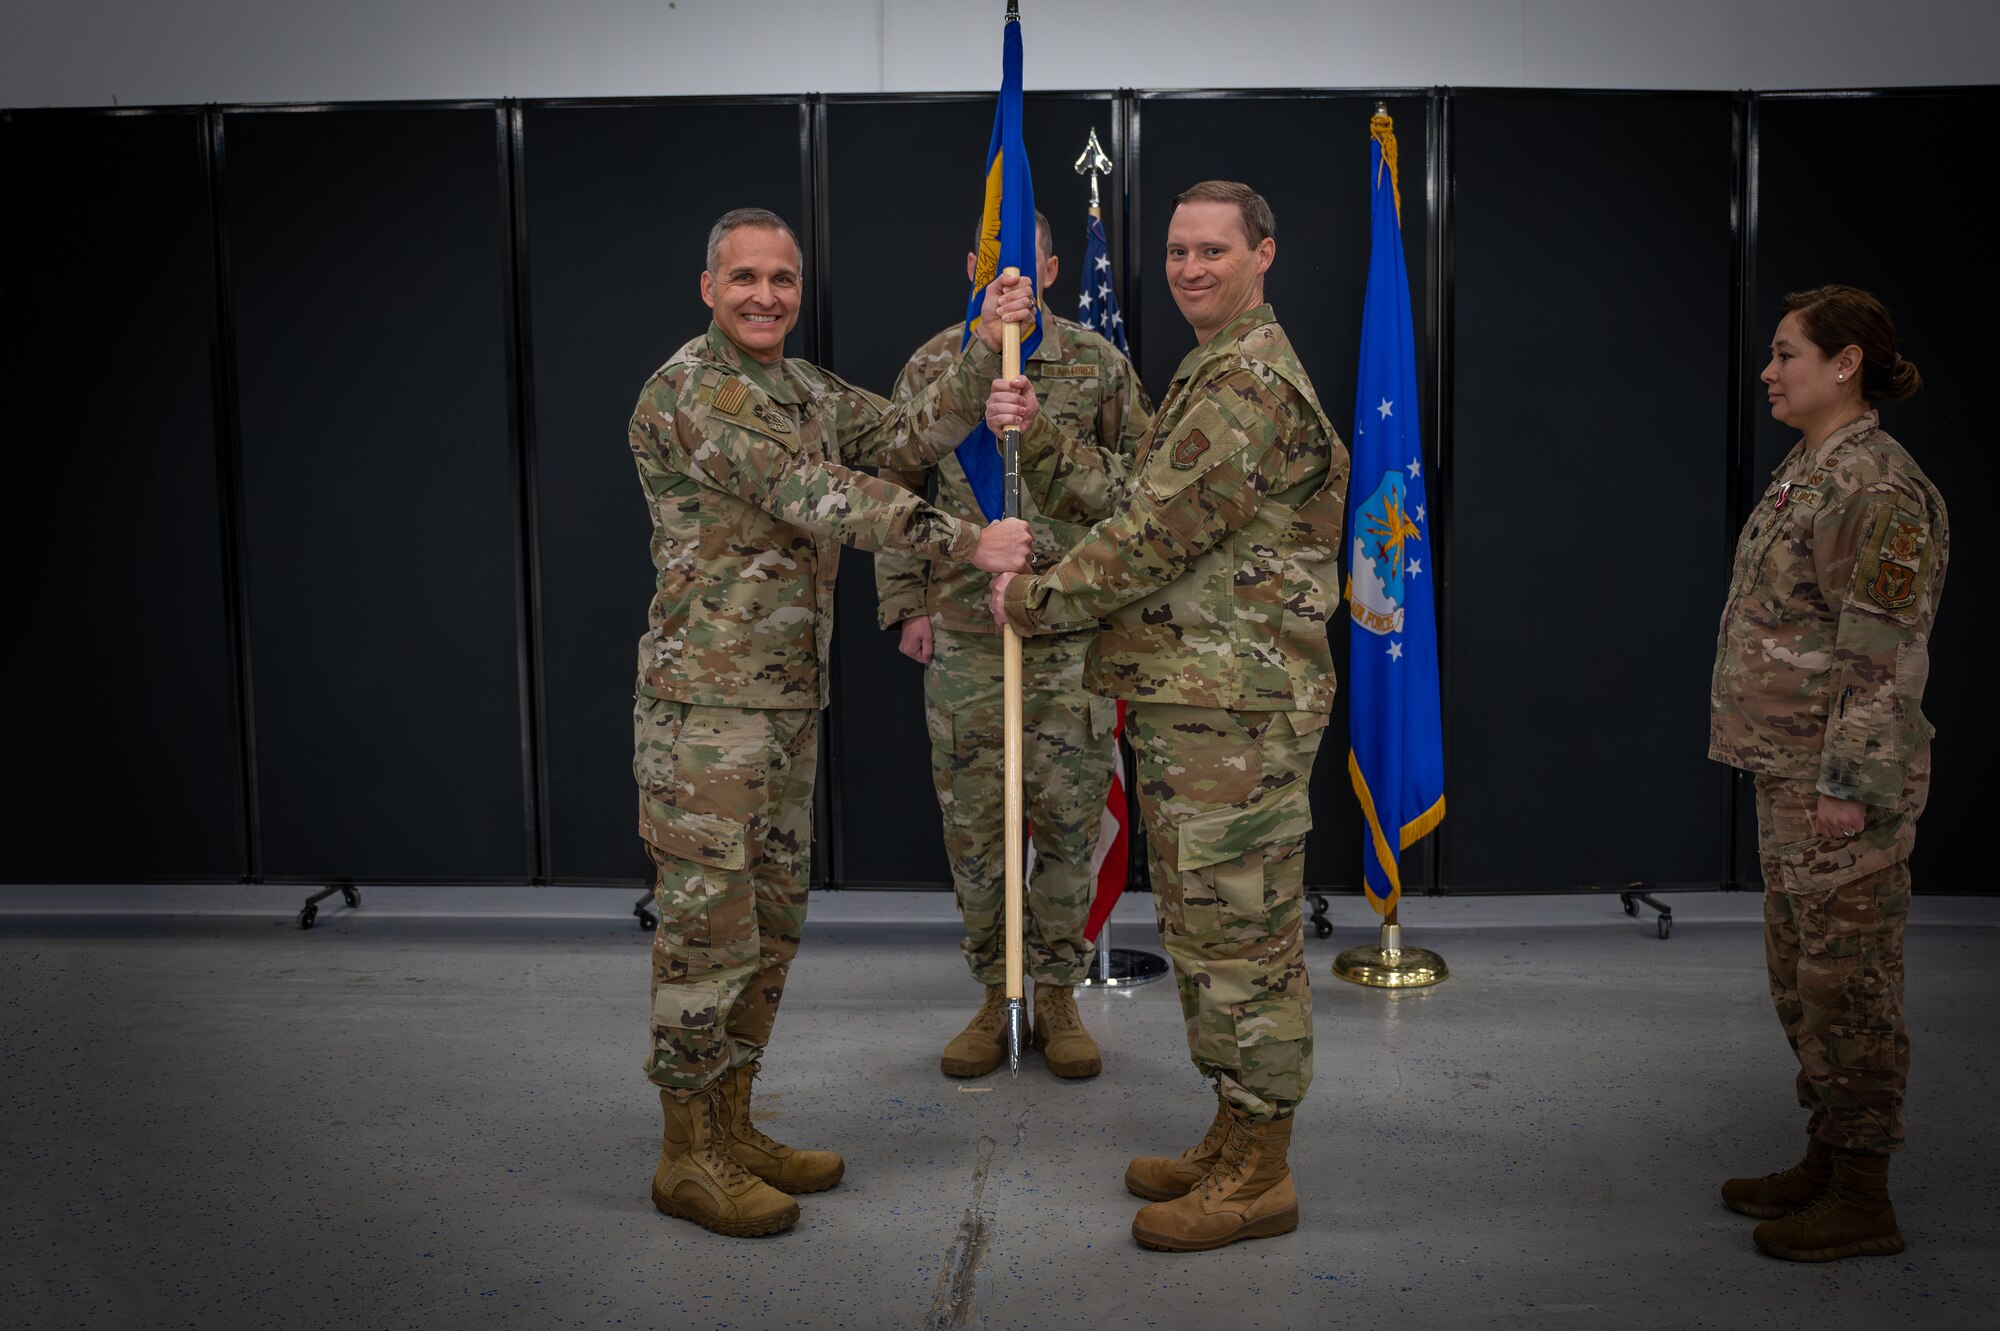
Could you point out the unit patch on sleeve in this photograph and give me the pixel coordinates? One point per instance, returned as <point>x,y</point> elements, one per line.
<point>1899,561</point>
<point>1189,450</point>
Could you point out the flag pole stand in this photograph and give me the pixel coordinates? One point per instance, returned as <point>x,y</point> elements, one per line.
<point>1122,967</point>
<point>1390,965</point>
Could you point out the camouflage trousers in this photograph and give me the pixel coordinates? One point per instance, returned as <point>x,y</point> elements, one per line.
<point>1224,797</point>
<point>1834,912</point>
<point>1066,756</point>
<point>725,809</point>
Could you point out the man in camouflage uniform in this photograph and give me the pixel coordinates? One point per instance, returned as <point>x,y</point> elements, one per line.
<point>1073,460</point>
<point>1819,676</point>
<point>746,458</point>
<point>1214,578</point>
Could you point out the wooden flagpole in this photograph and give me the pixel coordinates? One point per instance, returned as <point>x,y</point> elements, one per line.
<point>1015,814</point>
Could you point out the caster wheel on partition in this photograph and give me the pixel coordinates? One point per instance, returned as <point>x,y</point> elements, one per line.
<point>648,921</point>
<point>350,896</point>
<point>1631,908</point>
<point>307,916</point>
<point>1666,927</point>
<point>1322,928</point>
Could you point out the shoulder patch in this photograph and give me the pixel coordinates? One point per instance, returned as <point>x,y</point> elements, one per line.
<point>1189,450</point>
<point>729,398</point>
<point>1899,561</point>
<point>1259,339</point>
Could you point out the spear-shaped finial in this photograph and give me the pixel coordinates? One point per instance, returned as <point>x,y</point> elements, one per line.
<point>1093,163</point>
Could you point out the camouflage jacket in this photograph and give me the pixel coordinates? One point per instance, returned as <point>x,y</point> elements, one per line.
<point>1215,573</point>
<point>1074,460</point>
<point>747,470</point>
<point>1825,641</point>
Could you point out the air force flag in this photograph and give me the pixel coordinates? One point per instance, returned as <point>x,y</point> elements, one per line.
<point>1397,759</point>
<point>1006,240</point>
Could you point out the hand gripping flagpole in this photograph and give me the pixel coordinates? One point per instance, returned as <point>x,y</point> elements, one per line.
<point>1015,815</point>
<point>1116,968</point>
<point>1389,965</point>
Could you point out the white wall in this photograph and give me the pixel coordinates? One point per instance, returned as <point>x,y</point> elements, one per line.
<point>152,52</point>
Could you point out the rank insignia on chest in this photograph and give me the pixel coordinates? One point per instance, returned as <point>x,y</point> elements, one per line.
<point>1189,450</point>
<point>729,397</point>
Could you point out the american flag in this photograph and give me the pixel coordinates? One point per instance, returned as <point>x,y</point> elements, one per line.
<point>1097,306</point>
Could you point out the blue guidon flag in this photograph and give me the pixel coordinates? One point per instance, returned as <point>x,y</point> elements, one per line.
<point>1397,759</point>
<point>1006,240</point>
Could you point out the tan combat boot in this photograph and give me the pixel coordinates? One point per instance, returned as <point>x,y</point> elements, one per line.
<point>783,1167</point>
<point>1058,1032</point>
<point>1780,1194</point>
<point>978,1049</point>
<point>1161,1178</point>
<point>1852,1218</point>
<point>1247,1195</point>
<point>697,1180</point>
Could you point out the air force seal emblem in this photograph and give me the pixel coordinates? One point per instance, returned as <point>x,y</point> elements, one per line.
<point>1375,582</point>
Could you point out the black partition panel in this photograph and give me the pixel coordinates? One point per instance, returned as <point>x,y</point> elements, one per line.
<point>1315,285</point>
<point>368,273</point>
<point>121,748</point>
<point>1876,191</point>
<point>614,243</point>
<point>1587,481</point>
<point>896,243</point>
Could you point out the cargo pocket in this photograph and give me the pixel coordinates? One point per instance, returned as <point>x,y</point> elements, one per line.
<point>1274,1047</point>
<point>1216,841</point>
<point>1272,1020</point>
<point>704,838</point>
<point>706,903</point>
<point>656,724</point>
<point>1818,864</point>
<point>688,1007</point>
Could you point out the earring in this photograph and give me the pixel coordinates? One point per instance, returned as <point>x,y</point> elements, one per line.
<point>1840,377</point>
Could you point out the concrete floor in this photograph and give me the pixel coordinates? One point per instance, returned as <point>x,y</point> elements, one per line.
<point>428,1113</point>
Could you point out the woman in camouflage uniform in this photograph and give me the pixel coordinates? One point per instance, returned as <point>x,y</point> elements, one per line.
<point>1819,676</point>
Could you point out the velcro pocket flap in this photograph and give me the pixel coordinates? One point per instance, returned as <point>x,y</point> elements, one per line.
<point>704,838</point>
<point>1279,1020</point>
<point>1272,818</point>
<point>1203,440</point>
<point>687,1007</point>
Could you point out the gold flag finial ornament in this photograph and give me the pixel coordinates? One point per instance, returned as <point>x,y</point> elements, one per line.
<point>1383,130</point>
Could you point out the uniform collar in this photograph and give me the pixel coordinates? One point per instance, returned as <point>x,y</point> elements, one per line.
<point>1870,419</point>
<point>774,380</point>
<point>1232,332</point>
<point>1867,420</point>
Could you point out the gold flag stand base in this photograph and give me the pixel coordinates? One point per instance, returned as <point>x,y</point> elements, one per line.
<point>1390,966</point>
